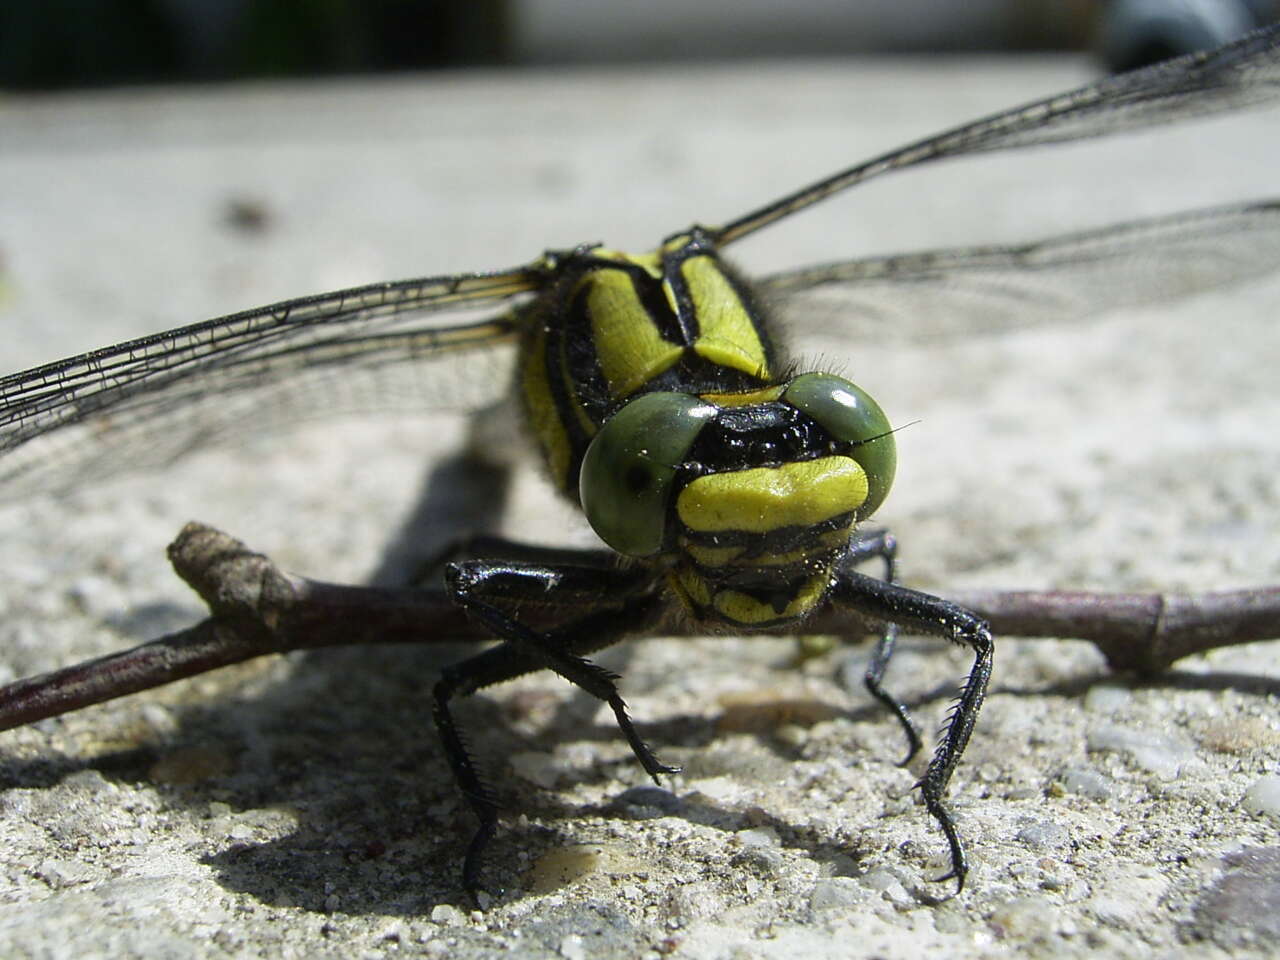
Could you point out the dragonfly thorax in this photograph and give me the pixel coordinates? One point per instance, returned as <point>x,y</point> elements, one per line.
<point>615,325</point>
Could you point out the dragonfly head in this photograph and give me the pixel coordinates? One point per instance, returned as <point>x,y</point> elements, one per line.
<point>751,495</point>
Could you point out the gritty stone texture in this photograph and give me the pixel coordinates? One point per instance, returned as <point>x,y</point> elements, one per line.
<point>301,806</point>
<point>1241,908</point>
<point>1263,797</point>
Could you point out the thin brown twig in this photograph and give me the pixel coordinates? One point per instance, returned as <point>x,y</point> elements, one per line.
<point>1142,632</point>
<point>257,609</point>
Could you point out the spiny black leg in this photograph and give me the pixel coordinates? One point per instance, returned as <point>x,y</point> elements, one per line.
<point>880,658</point>
<point>884,545</point>
<point>973,632</point>
<point>931,615</point>
<point>504,662</point>
<point>553,650</point>
<point>455,681</point>
<point>651,764</point>
<point>584,674</point>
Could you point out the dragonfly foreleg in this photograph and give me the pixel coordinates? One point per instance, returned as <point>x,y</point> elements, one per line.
<point>620,601</point>
<point>931,615</point>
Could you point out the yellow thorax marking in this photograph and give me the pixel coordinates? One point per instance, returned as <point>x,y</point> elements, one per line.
<point>544,419</point>
<point>726,333</point>
<point>629,344</point>
<point>630,348</point>
<point>650,262</point>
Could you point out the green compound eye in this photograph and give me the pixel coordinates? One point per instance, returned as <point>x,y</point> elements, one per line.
<point>849,414</point>
<point>625,482</point>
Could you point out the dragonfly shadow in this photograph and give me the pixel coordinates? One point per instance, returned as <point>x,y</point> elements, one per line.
<point>346,753</point>
<point>352,751</point>
<point>460,497</point>
<point>327,782</point>
<point>1216,682</point>
<point>48,770</point>
<point>381,827</point>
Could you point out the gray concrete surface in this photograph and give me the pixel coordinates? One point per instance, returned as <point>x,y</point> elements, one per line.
<point>301,806</point>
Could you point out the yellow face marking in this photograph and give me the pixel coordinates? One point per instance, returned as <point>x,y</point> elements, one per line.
<point>743,609</point>
<point>630,349</point>
<point>805,553</point>
<point>744,399</point>
<point>735,607</point>
<point>727,335</point>
<point>767,498</point>
<point>690,588</point>
<point>711,556</point>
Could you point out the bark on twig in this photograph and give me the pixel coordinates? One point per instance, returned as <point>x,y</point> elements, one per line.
<point>257,609</point>
<point>1143,632</point>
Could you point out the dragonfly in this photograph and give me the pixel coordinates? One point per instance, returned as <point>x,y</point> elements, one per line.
<point>728,485</point>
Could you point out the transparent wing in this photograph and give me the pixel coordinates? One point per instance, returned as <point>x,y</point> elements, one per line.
<point>1239,74</point>
<point>957,292</point>
<point>408,345</point>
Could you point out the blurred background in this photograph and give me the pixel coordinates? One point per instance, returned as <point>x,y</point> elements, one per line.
<point>57,44</point>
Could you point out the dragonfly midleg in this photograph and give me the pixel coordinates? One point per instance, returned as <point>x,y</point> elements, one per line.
<point>883,545</point>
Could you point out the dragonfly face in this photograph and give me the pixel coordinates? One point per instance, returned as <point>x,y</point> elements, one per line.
<point>751,497</point>
<point>758,539</point>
